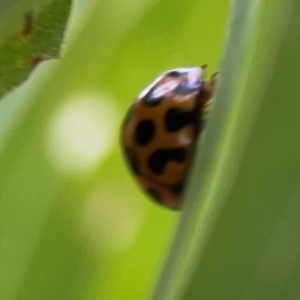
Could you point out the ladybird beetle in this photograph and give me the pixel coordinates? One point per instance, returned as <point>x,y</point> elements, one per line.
<point>160,130</point>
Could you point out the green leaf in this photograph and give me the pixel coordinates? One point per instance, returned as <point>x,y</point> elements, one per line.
<point>238,236</point>
<point>38,37</point>
<point>12,15</point>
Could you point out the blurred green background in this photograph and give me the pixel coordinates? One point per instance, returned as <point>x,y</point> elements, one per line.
<point>73,223</point>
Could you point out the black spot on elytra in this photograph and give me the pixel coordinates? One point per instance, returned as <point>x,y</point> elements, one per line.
<point>144,132</point>
<point>150,100</point>
<point>154,194</point>
<point>178,188</point>
<point>177,118</point>
<point>186,87</point>
<point>159,159</point>
<point>176,74</point>
<point>133,160</point>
